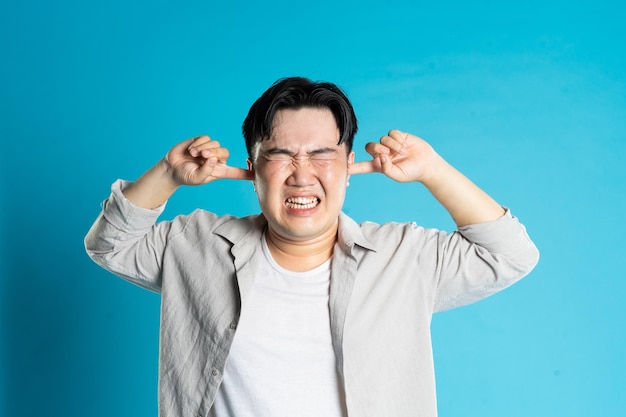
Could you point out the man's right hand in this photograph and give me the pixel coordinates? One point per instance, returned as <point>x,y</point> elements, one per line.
<point>193,162</point>
<point>201,160</point>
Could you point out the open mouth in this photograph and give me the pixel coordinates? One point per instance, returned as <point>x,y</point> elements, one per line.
<point>302,203</point>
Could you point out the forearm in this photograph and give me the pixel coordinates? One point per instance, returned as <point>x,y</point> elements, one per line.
<point>464,200</point>
<point>153,188</point>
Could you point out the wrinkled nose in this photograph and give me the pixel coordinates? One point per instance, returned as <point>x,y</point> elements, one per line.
<point>302,173</point>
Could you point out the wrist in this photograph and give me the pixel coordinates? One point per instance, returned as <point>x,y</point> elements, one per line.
<point>153,188</point>
<point>165,172</point>
<point>435,171</point>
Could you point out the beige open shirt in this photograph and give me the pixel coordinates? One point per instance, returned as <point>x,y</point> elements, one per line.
<point>386,281</point>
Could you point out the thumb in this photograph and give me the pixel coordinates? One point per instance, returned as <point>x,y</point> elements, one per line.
<point>386,164</point>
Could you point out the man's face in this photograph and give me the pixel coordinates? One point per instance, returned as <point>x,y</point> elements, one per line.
<point>301,175</point>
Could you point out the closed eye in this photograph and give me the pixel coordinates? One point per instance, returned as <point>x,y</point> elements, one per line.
<point>277,154</point>
<point>283,155</point>
<point>323,154</point>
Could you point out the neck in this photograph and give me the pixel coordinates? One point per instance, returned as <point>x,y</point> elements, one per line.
<point>300,256</point>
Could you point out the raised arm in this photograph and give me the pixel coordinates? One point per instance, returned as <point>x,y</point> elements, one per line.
<point>195,161</point>
<point>405,158</point>
<point>124,238</point>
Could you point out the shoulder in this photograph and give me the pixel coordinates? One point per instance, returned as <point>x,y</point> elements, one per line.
<point>203,222</point>
<point>380,236</point>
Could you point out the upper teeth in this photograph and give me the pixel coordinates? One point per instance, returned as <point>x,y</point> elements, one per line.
<point>302,202</point>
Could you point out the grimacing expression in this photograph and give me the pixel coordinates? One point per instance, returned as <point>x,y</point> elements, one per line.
<point>301,174</point>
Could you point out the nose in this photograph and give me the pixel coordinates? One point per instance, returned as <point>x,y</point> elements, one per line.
<point>302,172</point>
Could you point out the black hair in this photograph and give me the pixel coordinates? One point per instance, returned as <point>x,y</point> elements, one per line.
<point>296,93</point>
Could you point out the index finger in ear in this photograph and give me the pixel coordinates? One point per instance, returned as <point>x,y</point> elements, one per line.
<point>365,167</point>
<point>239,173</point>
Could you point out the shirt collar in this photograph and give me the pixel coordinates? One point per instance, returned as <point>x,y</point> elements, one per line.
<point>238,229</point>
<point>350,234</point>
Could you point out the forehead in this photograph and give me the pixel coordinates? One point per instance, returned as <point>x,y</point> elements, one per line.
<point>306,127</point>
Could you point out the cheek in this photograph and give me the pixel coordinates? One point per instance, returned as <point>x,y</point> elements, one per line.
<point>270,171</point>
<point>267,184</point>
<point>335,181</point>
<point>337,173</point>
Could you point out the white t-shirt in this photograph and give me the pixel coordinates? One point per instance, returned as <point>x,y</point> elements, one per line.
<point>282,361</point>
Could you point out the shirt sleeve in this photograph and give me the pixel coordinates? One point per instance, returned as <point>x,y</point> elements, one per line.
<point>125,240</point>
<point>481,259</point>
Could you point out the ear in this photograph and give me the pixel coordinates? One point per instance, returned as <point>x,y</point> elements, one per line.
<point>350,163</point>
<point>251,169</point>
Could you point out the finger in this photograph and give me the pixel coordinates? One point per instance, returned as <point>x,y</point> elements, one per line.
<point>375,149</point>
<point>395,140</point>
<point>364,167</point>
<point>182,146</point>
<point>212,169</point>
<point>200,140</point>
<point>221,154</point>
<point>403,136</point>
<point>235,173</point>
<point>205,144</point>
<point>207,149</point>
<point>398,134</point>
<point>207,170</point>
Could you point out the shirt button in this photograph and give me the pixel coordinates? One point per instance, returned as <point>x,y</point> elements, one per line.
<point>233,325</point>
<point>215,372</point>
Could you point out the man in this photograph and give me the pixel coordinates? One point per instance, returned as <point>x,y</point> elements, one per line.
<point>299,310</point>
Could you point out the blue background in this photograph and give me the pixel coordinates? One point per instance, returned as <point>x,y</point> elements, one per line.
<point>526,98</point>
